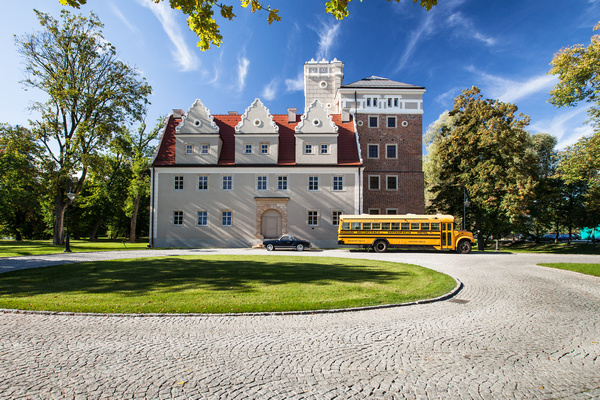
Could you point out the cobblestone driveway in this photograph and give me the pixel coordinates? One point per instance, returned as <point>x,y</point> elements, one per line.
<point>516,330</point>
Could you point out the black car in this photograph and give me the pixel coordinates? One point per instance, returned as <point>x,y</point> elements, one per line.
<point>286,242</point>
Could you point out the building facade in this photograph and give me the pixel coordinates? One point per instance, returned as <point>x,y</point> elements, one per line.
<point>233,180</point>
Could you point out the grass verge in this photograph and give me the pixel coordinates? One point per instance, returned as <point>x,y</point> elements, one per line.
<point>588,269</point>
<point>552,248</point>
<point>219,284</point>
<point>13,248</point>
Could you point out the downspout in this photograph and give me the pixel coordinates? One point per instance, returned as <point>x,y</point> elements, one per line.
<point>361,167</point>
<point>152,213</point>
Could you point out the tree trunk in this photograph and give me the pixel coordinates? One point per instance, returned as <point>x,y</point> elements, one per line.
<point>59,214</point>
<point>94,234</point>
<point>136,205</point>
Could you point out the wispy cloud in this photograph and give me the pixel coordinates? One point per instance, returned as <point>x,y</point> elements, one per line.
<point>425,29</point>
<point>327,38</point>
<point>243,65</point>
<point>294,85</point>
<point>270,91</point>
<point>511,91</point>
<point>182,54</point>
<point>123,19</point>
<point>467,29</point>
<point>568,127</point>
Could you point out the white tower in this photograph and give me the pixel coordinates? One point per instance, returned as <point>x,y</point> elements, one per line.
<point>322,79</point>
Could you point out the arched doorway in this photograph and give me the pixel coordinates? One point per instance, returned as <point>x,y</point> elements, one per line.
<point>271,224</point>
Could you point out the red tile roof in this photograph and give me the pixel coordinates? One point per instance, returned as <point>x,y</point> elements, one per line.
<point>347,147</point>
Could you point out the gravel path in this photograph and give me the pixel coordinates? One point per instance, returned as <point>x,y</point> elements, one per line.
<point>515,331</point>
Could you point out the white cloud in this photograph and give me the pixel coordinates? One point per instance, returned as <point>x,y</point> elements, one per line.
<point>425,29</point>
<point>294,85</point>
<point>467,29</point>
<point>327,38</point>
<point>510,91</point>
<point>123,19</point>
<point>182,54</point>
<point>270,91</point>
<point>568,127</point>
<point>243,65</point>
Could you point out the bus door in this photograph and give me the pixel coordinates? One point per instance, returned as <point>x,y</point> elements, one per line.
<point>447,242</point>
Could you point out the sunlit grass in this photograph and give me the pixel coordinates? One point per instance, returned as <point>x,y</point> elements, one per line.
<point>219,284</point>
<point>13,248</point>
<point>588,269</point>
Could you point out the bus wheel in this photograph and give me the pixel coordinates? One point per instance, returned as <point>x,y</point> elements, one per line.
<point>464,247</point>
<point>380,246</point>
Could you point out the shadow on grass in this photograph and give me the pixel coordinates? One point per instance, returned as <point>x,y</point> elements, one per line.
<point>167,274</point>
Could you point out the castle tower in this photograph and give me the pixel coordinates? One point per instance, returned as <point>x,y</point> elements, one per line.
<point>322,79</point>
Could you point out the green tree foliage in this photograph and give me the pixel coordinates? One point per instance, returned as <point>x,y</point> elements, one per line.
<point>91,94</point>
<point>200,14</point>
<point>578,70</point>
<point>484,150</point>
<point>20,186</point>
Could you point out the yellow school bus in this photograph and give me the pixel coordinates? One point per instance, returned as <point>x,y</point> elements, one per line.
<point>384,231</point>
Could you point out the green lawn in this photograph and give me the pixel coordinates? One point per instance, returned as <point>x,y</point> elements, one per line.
<point>558,248</point>
<point>219,284</point>
<point>13,248</point>
<point>588,269</point>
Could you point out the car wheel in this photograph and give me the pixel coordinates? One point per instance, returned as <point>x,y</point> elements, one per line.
<point>300,247</point>
<point>464,247</point>
<point>270,247</point>
<point>380,246</point>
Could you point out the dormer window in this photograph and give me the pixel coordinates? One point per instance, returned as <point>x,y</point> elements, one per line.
<point>189,149</point>
<point>204,148</point>
<point>264,148</point>
<point>308,148</point>
<point>248,149</point>
<point>324,149</point>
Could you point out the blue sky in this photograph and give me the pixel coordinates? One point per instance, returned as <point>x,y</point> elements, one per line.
<point>502,46</point>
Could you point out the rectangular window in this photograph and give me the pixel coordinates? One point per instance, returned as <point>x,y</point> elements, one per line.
<point>202,218</point>
<point>396,102</point>
<point>203,183</point>
<point>282,183</point>
<point>392,211</point>
<point>261,183</point>
<point>178,183</point>
<point>414,226</point>
<point>390,102</point>
<point>248,149</point>
<point>373,151</point>
<point>405,226</point>
<point>373,122</point>
<point>435,226</point>
<point>313,183</point>
<point>308,148</point>
<point>374,211</point>
<point>227,182</point>
<point>313,218</point>
<point>374,182</point>
<point>395,226</point>
<point>189,149</point>
<point>324,149</point>
<point>204,148</point>
<point>264,148</point>
<point>391,122</point>
<point>368,102</point>
<point>390,151</point>
<point>374,101</point>
<point>177,218</point>
<point>338,183</point>
<point>226,218</point>
<point>335,217</point>
<point>392,183</point>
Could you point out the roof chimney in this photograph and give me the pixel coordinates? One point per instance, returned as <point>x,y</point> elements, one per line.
<point>345,115</point>
<point>232,112</point>
<point>177,113</point>
<point>292,115</point>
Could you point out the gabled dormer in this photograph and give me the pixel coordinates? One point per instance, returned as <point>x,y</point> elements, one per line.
<point>256,136</point>
<point>316,136</point>
<point>197,137</point>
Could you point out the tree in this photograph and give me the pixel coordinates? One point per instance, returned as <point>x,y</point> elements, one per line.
<point>138,150</point>
<point>485,151</point>
<point>91,95</point>
<point>578,70</point>
<point>20,187</point>
<point>200,14</point>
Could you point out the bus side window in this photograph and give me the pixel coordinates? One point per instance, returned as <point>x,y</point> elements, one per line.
<point>405,226</point>
<point>414,226</point>
<point>425,226</point>
<point>385,226</point>
<point>355,226</point>
<point>435,226</point>
<point>395,226</point>
<point>367,226</point>
<point>345,226</point>
<point>376,225</point>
